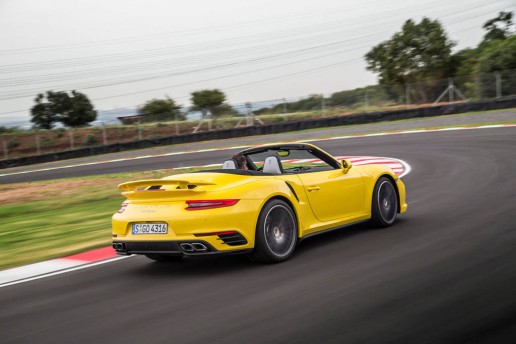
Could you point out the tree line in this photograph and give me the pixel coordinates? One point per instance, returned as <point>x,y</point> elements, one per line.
<point>419,54</point>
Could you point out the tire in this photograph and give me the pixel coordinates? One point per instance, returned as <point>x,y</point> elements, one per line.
<point>276,233</point>
<point>163,258</point>
<point>384,207</point>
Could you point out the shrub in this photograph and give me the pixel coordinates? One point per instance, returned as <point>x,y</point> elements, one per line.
<point>91,140</point>
<point>13,143</point>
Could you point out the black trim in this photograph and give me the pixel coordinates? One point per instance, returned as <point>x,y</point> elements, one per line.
<point>238,172</point>
<point>233,239</point>
<point>332,229</point>
<point>292,189</point>
<point>171,248</point>
<point>291,146</point>
<point>296,146</point>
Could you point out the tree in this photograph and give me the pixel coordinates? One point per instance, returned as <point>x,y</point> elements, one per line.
<point>72,111</point>
<point>161,110</point>
<point>42,115</point>
<point>499,27</point>
<point>498,56</point>
<point>77,111</point>
<point>207,100</point>
<point>420,52</point>
<point>223,110</point>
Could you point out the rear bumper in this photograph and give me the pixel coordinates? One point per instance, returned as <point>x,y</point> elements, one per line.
<point>171,248</point>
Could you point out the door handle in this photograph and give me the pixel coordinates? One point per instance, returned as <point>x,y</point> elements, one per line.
<point>313,188</point>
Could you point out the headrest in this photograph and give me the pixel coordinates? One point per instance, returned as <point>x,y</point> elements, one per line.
<point>272,165</point>
<point>230,164</point>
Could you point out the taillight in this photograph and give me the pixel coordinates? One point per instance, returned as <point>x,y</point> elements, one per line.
<point>122,207</point>
<point>215,233</point>
<point>210,204</point>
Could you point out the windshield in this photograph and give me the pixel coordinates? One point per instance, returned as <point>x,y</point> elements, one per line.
<point>292,160</point>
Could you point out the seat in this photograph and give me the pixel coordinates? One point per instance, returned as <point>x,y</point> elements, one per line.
<point>272,165</point>
<point>230,164</point>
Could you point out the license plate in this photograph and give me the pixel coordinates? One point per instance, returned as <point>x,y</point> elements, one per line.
<point>150,228</point>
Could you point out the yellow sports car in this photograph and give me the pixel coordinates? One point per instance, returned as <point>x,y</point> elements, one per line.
<point>262,202</point>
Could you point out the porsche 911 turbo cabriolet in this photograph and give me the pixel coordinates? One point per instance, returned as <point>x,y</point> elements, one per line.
<point>262,205</point>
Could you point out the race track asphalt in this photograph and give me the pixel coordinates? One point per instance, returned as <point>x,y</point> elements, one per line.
<point>444,273</point>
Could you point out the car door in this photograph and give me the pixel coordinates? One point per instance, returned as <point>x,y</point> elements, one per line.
<point>334,194</point>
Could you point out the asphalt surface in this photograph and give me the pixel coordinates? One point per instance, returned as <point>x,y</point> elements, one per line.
<point>444,273</point>
<point>507,115</point>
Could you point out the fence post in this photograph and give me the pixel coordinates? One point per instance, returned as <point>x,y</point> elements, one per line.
<point>366,101</point>
<point>104,135</point>
<point>450,90</point>
<point>38,147</point>
<point>70,132</point>
<point>323,105</point>
<point>139,129</point>
<point>407,95</point>
<point>6,151</point>
<point>498,85</point>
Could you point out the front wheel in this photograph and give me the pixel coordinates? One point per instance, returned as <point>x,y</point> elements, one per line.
<point>276,233</point>
<point>384,208</point>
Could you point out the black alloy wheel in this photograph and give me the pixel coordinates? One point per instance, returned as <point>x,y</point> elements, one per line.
<point>384,208</point>
<point>276,233</point>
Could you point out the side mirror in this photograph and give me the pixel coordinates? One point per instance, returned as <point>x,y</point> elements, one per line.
<point>346,165</point>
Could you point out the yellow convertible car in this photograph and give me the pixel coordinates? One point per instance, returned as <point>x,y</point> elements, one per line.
<point>261,203</point>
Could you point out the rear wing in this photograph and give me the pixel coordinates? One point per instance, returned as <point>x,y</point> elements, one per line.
<point>155,184</point>
<point>151,189</point>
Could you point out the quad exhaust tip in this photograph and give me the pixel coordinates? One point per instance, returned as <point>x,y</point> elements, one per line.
<point>194,247</point>
<point>119,246</point>
<point>199,247</point>
<point>187,247</point>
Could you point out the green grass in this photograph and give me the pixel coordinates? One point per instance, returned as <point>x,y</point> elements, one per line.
<point>40,230</point>
<point>61,221</point>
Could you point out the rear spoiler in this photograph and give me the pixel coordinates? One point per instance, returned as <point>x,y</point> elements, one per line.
<point>155,184</point>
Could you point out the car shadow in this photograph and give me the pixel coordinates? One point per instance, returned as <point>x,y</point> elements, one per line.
<point>237,263</point>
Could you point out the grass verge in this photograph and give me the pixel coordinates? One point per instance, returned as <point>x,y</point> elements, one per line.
<point>50,219</point>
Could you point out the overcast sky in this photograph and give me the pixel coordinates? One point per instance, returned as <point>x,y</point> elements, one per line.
<point>122,53</point>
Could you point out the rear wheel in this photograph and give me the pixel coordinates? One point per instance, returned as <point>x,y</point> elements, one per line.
<point>276,233</point>
<point>384,208</point>
<point>163,258</point>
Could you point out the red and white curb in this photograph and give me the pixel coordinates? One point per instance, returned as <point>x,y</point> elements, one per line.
<point>398,166</point>
<point>58,266</point>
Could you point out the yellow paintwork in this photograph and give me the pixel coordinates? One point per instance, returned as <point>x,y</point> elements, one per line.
<point>322,200</point>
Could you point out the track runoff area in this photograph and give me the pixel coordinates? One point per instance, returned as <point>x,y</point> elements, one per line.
<point>107,255</point>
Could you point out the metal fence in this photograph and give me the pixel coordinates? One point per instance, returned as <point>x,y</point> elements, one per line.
<point>362,100</point>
